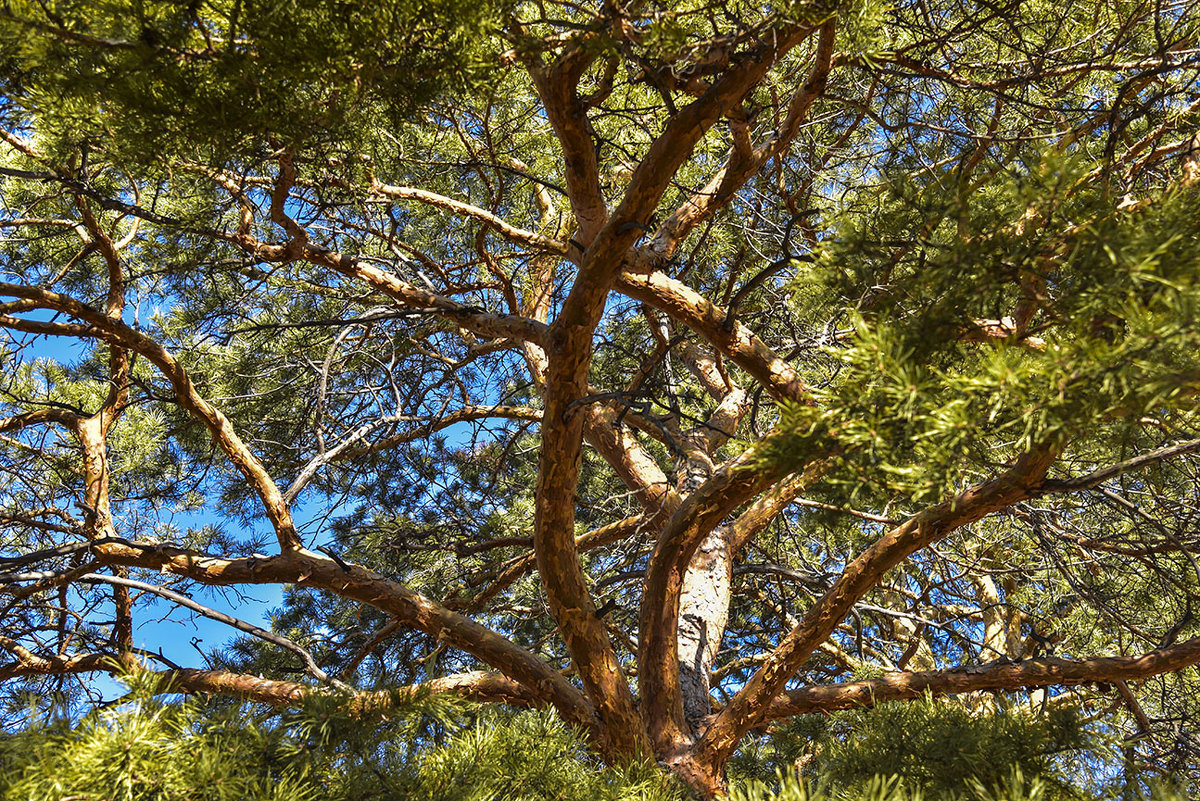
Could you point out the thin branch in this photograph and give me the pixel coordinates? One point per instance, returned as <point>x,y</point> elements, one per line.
<point>1098,477</point>
<point>510,232</point>
<point>310,664</point>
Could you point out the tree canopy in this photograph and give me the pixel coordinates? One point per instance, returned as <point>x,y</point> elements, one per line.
<point>684,368</point>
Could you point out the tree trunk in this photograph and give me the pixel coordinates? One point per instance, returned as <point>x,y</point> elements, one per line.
<point>705,780</point>
<point>703,613</point>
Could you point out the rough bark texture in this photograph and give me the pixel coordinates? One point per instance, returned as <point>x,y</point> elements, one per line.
<point>658,660</point>
<point>703,613</point>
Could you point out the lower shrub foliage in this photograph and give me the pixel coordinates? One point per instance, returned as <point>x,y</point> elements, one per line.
<point>437,750</point>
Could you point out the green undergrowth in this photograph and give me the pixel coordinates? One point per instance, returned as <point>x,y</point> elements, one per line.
<point>428,749</point>
<point>1015,787</point>
<point>437,750</point>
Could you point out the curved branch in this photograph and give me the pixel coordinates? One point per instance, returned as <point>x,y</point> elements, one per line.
<point>688,307</point>
<point>117,333</point>
<point>741,165</point>
<point>731,485</point>
<point>510,232</point>
<point>310,664</point>
<point>356,583</point>
<point>567,113</point>
<point>1098,477</point>
<point>37,417</point>
<point>632,463</point>
<point>30,664</point>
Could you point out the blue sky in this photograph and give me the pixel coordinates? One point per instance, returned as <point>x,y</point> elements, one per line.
<point>159,625</point>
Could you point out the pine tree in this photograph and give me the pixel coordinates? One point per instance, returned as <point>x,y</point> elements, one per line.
<point>683,368</point>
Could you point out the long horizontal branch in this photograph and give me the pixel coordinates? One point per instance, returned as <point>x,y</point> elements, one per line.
<point>45,327</point>
<point>474,319</point>
<point>28,663</point>
<point>357,583</point>
<point>37,417</point>
<point>1098,477</point>
<point>480,686</point>
<point>54,552</point>
<point>1028,674</point>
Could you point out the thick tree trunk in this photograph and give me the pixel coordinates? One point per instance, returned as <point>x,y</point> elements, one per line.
<point>704,779</point>
<point>703,613</point>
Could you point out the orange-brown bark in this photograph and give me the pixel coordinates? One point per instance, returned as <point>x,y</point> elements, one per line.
<point>658,657</point>
<point>732,338</point>
<point>569,351</point>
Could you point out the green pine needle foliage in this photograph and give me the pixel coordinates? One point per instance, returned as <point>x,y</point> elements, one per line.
<point>1013,787</point>
<point>532,756</point>
<point>435,749</point>
<point>914,410</point>
<point>428,749</point>
<point>970,749</point>
<point>159,77</point>
<point>153,752</point>
<point>942,747</point>
<point>789,787</point>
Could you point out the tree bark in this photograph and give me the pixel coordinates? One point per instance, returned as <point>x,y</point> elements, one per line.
<point>703,613</point>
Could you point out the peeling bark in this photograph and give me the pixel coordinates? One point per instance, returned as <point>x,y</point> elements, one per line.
<point>703,613</point>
